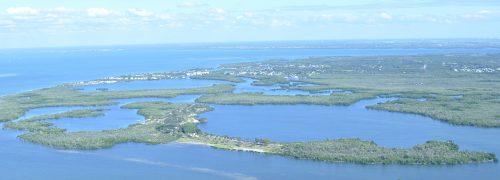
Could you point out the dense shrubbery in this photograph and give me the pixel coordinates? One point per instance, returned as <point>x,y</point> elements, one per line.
<point>165,122</point>
<point>99,139</point>
<point>256,98</point>
<point>34,124</point>
<point>263,141</point>
<point>190,128</point>
<point>365,152</point>
<point>435,78</point>
<point>14,106</point>
<point>219,76</point>
<point>469,110</point>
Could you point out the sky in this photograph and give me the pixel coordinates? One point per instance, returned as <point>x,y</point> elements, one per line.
<point>50,23</point>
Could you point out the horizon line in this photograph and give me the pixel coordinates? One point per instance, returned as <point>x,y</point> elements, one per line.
<point>248,41</point>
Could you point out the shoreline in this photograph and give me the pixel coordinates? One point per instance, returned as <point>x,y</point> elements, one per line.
<point>185,141</point>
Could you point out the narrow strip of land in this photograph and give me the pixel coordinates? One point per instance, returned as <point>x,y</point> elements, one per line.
<point>456,89</point>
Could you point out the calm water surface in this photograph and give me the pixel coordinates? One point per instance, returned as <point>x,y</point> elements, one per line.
<point>158,84</point>
<point>22,70</point>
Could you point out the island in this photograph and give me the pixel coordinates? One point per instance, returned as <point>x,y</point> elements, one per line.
<point>460,89</point>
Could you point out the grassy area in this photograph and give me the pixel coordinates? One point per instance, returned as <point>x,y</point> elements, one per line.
<point>14,106</point>
<point>366,152</point>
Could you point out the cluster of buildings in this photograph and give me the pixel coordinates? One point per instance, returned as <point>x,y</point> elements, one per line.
<point>476,69</point>
<point>147,77</point>
<point>95,82</point>
<point>291,72</point>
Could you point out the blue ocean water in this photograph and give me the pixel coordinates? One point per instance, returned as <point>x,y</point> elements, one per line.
<point>26,69</point>
<point>291,123</point>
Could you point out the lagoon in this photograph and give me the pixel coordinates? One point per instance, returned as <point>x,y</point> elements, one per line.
<point>46,67</point>
<point>291,123</point>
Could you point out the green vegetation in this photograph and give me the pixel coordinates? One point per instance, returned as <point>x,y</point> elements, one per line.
<point>365,152</point>
<point>350,151</point>
<point>436,78</point>
<point>88,140</point>
<point>34,124</point>
<point>162,93</point>
<point>159,115</point>
<point>470,110</point>
<point>263,141</point>
<point>255,98</point>
<point>190,128</point>
<point>230,143</point>
<point>458,89</point>
<point>166,122</point>
<point>219,76</point>
<point>79,113</point>
<point>14,106</point>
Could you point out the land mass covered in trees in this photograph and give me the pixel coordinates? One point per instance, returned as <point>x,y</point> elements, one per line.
<point>457,89</point>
